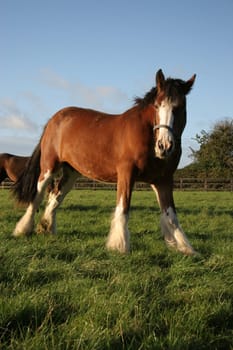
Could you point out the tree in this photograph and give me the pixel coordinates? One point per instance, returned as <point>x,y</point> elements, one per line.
<point>215,155</point>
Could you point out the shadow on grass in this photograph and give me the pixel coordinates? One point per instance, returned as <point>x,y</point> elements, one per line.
<point>31,319</point>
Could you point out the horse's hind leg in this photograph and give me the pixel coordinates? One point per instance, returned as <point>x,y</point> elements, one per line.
<point>26,224</point>
<point>173,233</point>
<point>55,198</point>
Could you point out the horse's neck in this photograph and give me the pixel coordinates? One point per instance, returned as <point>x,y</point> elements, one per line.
<point>146,115</point>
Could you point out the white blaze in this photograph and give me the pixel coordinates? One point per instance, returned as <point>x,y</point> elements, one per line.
<point>165,139</point>
<point>166,118</point>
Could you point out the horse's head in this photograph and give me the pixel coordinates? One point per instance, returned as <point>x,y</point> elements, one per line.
<point>170,119</point>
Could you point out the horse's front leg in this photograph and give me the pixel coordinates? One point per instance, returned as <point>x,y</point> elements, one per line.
<point>173,233</point>
<point>119,236</point>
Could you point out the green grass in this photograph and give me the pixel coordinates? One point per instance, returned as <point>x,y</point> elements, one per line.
<point>68,292</point>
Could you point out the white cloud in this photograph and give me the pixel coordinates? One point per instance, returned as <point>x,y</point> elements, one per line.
<point>17,122</point>
<point>105,97</point>
<point>12,118</point>
<point>52,79</point>
<point>100,97</point>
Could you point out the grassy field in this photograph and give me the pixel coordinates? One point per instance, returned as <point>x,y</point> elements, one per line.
<point>67,292</point>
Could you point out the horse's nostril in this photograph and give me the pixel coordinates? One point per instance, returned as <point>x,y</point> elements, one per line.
<point>170,147</point>
<point>160,145</point>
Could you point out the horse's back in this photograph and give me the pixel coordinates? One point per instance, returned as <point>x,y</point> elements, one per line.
<point>83,119</point>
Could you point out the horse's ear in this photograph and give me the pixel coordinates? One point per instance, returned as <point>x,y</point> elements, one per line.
<point>160,79</point>
<point>188,84</point>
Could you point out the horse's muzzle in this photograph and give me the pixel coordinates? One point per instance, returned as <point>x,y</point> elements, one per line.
<point>165,143</point>
<point>164,149</point>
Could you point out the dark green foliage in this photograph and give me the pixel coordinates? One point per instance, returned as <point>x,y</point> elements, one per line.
<point>215,155</point>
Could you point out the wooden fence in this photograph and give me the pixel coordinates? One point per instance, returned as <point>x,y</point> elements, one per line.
<point>206,184</point>
<point>183,184</point>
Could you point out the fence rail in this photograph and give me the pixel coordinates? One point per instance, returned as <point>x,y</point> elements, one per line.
<point>206,184</point>
<point>183,184</point>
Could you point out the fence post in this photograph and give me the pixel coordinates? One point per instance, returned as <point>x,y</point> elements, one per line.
<point>181,183</point>
<point>205,184</point>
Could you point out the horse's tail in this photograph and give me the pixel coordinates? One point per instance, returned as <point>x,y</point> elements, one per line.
<point>25,188</point>
<point>3,173</point>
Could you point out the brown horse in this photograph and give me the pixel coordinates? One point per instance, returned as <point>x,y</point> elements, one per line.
<point>11,166</point>
<point>142,144</point>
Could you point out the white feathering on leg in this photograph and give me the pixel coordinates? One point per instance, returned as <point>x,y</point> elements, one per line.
<point>173,233</point>
<point>118,238</point>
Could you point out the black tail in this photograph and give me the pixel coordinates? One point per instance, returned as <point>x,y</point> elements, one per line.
<point>25,188</point>
<point>3,173</point>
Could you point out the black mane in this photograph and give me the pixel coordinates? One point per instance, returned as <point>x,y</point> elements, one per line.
<point>172,89</point>
<point>149,98</point>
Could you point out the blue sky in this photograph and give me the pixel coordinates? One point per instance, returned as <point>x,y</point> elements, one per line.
<point>101,54</point>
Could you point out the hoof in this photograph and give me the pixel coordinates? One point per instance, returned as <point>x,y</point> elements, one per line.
<point>44,228</point>
<point>20,232</point>
<point>120,247</point>
<point>189,251</point>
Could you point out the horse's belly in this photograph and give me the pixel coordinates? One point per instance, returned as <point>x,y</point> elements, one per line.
<point>96,169</point>
<point>100,176</point>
